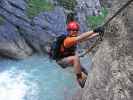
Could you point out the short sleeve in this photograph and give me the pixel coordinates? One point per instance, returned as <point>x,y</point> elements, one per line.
<point>70,41</point>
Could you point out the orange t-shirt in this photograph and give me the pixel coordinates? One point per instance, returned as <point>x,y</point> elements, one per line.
<point>68,42</point>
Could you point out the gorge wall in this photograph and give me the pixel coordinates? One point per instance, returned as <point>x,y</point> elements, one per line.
<point>111,75</point>
<point>21,36</point>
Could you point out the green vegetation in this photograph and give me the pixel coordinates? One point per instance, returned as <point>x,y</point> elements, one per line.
<point>1,20</point>
<point>37,6</point>
<point>68,4</point>
<point>94,21</point>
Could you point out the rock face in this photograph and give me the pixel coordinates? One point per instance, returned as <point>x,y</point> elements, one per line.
<point>11,43</point>
<point>86,8</point>
<point>21,36</point>
<point>111,75</point>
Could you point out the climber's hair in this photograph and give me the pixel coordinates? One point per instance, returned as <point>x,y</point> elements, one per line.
<point>70,17</point>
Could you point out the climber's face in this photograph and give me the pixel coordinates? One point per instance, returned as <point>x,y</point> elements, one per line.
<point>73,32</point>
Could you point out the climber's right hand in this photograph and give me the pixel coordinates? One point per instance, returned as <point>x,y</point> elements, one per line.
<point>99,30</point>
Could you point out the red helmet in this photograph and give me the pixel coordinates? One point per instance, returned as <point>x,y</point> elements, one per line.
<point>73,26</point>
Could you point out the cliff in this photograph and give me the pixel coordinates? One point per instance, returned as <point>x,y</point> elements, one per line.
<point>27,25</point>
<point>111,75</point>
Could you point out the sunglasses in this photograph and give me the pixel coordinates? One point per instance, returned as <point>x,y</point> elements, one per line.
<point>74,30</point>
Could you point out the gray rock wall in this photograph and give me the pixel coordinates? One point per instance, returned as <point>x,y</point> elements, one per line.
<point>22,36</point>
<point>111,75</point>
<point>27,35</point>
<point>12,44</point>
<point>85,8</point>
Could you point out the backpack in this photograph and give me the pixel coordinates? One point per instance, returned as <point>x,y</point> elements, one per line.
<point>55,47</point>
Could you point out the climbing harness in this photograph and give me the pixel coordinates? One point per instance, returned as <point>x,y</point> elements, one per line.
<point>100,38</point>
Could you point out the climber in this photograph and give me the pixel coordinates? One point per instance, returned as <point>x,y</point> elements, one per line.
<point>67,54</point>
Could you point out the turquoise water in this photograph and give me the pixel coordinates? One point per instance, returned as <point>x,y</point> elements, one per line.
<point>36,78</point>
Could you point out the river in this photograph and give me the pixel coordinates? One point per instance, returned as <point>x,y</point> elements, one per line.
<point>36,78</point>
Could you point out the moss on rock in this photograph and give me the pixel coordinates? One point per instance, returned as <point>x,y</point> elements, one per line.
<point>37,6</point>
<point>68,4</point>
<point>1,20</point>
<point>94,21</point>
